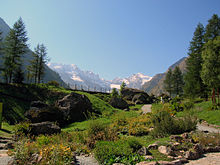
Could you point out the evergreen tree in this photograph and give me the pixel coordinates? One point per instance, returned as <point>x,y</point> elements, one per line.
<point>193,82</point>
<point>14,47</point>
<point>33,67</point>
<point>168,82</point>
<point>177,81</point>
<point>212,28</point>
<point>211,66</point>
<point>123,85</point>
<point>37,64</point>
<point>114,92</point>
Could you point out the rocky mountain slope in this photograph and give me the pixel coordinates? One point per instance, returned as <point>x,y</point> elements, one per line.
<point>74,76</point>
<point>49,74</point>
<point>155,85</point>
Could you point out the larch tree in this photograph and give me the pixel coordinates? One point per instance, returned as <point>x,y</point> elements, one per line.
<point>194,85</point>
<point>14,47</point>
<point>168,82</point>
<point>177,81</point>
<point>211,66</point>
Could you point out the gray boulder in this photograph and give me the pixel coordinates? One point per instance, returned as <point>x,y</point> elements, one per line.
<point>75,107</point>
<point>40,112</point>
<point>136,96</point>
<point>118,103</point>
<point>46,128</point>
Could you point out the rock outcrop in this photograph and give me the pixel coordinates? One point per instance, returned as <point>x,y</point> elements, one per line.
<point>118,103</point>
<point>75,107</point>
<point>136,96</point>
<point>46,128</point>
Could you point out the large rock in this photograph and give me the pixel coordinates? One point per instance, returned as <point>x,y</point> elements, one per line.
<point>135,95</point>
<point>40,112</point>
<point>46,128</point>
<point>144,151</point>
<point>141,98</point>
<point>118,103</point>
<point>75,107</point>
<point>166,150</point>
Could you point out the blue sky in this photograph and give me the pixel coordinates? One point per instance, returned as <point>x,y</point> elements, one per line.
<point>114,38</point>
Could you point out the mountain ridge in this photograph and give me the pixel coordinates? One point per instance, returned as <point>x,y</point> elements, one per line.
<point>74,76</point>
<point>155,85</point>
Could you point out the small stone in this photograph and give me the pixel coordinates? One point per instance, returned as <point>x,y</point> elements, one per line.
<point>148,157</point>
<point>170,157</point>
<point>144,151</point>
<point>176,138</point>
<point>118,164</point>
<point>148,163</point>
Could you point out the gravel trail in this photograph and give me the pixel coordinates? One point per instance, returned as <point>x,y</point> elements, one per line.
<point>146,108</point>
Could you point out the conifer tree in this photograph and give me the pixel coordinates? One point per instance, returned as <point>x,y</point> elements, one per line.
<point>193,82</point>
<point>212,29</point>
<point>33,67</point>
<point>37,64</point>
<point>211,66</point>
<point>14,47</point>
<point>177,81</point>
<point>123,85</point>
<point>168,82</point>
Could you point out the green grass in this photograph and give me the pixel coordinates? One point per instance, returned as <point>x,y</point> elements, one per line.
<point>99,105</point>
<point>7,130</point>
<point>156,107</point>
<point>201,111</point>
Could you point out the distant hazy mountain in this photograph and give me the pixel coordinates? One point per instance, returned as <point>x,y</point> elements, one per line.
<point>74,76</point>
<point>49,74</point>
<point>155,85</point>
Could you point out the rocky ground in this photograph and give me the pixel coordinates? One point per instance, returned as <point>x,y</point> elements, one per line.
<point>5,144</point>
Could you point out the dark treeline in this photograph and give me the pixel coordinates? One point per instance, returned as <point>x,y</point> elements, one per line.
<point>203,65</point>
<point>12,51</point>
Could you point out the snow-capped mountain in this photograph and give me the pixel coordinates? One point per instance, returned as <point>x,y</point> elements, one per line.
<point>78,78</point>
<point>134,81</point>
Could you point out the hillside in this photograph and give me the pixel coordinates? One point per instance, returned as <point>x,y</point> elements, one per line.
<point>155,85</point>
<point>49,74</point>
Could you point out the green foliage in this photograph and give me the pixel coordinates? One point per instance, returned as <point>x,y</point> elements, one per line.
<point>114,93</point>
<point>117,152</point>
<point>22,128</point>
<point>123,85</point>
<point>177,81</point>
<point>211,66</point>
<point>194,86</point>
<point>53,83</point>
<point>14,47</point>
<point>165,125</point>
<point>188,105</point>
<point>168,82</point>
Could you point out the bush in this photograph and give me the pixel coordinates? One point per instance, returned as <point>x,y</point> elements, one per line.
<point>165,125</point>
<point>22,128</point>
<point>53,83</point>
<point>207,140</point>
<point>188,105</point>
<point>117,152</point>
<point>98,131</point>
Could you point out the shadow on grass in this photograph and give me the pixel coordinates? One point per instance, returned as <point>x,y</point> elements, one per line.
<point>4,130</point>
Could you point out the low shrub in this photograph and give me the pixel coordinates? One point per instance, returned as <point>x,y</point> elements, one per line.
<point>98,131</point>
<point>207,140</point>
<point>165,124</point>
<point>22,128</point>
<point>188,105</point>
<point>53,83</point>
<point>117,152</point>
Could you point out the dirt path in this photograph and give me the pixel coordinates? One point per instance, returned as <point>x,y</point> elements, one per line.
<point>146,108</point>
<point>205,127</point>
<point>83,160</point>
<point>4,158</point>
<point>208,159</point>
